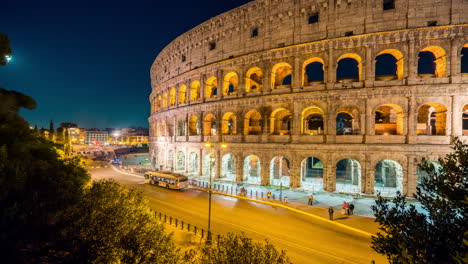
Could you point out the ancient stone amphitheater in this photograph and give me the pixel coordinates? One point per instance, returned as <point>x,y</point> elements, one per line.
<point>323,95</point>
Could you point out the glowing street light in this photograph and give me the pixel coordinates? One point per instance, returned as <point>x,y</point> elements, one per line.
<point>8,58</point>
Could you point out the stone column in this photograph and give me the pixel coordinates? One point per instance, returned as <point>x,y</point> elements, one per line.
<point>203,87</point>
<point>410,178</point>
<point>412,59</point>
<point>239,168</point>
<point>295,173</point>
<point>297,73</point>
<point>202,126</point>
<point>412,121</point>
<point>329,176</point>
<point>266,84</point>
<point>457,118</point>
<point>217,165</point>
<point>200,163</point>
<point>368,181</point>
<point>220,83</point>
<point>265,171</point>
<point>369,67</point>
<point>187,159</point>
<point>331,68</point>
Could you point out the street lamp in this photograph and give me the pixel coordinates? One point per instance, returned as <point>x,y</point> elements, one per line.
<point>208,144</point>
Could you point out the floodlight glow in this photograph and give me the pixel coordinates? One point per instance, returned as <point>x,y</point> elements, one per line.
<point>8,57</point>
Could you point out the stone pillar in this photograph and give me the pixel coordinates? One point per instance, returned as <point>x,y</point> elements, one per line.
<point>265,171</point>
<point>220,83</point>
<point>297,73</point>
<point>187,160</point>
<point>203,87</point>
<point>266,85</point>
<point>412,59</point>
<point>410,178</point>
<point>370,121</point>
<point>369,67</point>
<point>331,68</point>
<point>367,183</point>
<point>412,121</point>
<point>239,168</point>
<point>329,176</point>
<point>295,173</point>
<point>202,126</point>
<point>200,163</point>
<point>457,118</point>
<point>217,164</point>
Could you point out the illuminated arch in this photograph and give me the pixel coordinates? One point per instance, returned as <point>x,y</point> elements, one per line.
<point>312,122</point>
<point>253,80</point>
<point>432,119</point>
<point>312,174</point>
<point>195,91</point>
<point>348,176</point>
<point>354,57</point>
<point>211,87</point>
<point>310,65</point>
<point>209,125</point>
<point>439,66</point>
<point>347,121</point>
<point>252,169</point>
<point>172,96</point>
<point>389,120</point>
<point>183,94</point>
<point>228,168</point>
<point>280,171</point>
<point>280,122</point>
<point>164,100</point>
<point>399,63</point>
<point>253,123</point>
<point>230,84</point>
<point>194,126</point>
<point>279,73</point>
<point>180,164</point>
<point>229,124</point>
<point>388,177</point>
<point>464,60</point>
<point>159,103</point>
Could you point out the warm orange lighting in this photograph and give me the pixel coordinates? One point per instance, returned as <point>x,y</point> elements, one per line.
<point>385,134</point>
<point>223,145</point>
<point>208,144</point>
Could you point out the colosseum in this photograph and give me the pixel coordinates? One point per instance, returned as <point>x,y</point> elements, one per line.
<point>322,95</point>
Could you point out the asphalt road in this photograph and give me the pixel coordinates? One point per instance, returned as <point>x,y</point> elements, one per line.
<point>306,240</point>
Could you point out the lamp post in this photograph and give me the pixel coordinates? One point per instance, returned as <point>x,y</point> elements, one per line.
<point>209,145</point>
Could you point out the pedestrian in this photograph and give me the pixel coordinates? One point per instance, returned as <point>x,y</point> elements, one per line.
<point>345,208</point>
<point>351,208</point>
<point>286,199</point>
<point>268,194</point>
<point>311,199</point>
<point>330,213</point>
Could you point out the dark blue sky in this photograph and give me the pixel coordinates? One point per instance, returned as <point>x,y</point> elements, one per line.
<point>88,62</point>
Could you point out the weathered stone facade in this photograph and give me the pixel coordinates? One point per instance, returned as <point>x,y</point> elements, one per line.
<point>297,85</point>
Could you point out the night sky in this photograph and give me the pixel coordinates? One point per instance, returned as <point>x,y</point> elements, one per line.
<point>88,62</point>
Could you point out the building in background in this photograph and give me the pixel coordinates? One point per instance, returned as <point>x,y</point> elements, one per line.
<point>96,137</point>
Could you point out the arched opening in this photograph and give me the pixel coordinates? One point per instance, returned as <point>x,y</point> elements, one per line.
<point>231,82</point>
<point>349,68</point>
<point>228,168</point>
<point>464,61</point>
<point>388,177</point>
<point>465,121</point>
<point>211,90</point>
<point>313,71</point>
<point>206,166</point>
<point>182,94</point>
<point>252,173</point>
<point>435,167</point>
<point>312,174</point>
<point>194,126</point>
<point>389,65</point>
<point>432,119</point>
<point>281,75</point>
<point>172,97</point>
<point>280,122</point>
<point>348,176</point>
<point>159,103</point>
<point>253,123</point>
<point>253,80</point>
<point>347,121</point>
<point>170,160</point>
<point>181,128</point>
<point>229,124</point>
<point>280,171</point>
<point>180,161</point>
<point>389,120</point>
<point>164,100</point>
<point>193,163</point>
<point>432,62</point>
<point>312,121</point>
<point>209,125</point>
<point>195,91</point>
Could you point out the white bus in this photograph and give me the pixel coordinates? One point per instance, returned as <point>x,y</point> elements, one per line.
<point>167,179</point>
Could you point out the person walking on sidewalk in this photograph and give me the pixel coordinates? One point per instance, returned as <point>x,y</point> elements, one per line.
<point>311,199</point>
<point>286,199</point>
<point>330,213</point>
<point>351,208</point>
<point>268,194</point>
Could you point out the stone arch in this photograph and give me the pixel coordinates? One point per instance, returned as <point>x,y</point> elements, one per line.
<point>280,122</point>
<point>464,60</point>
<point>312,174</point>
<point>349,68</point>
<point>195,91</point>
<point>182,94</point>
<point>172,96</point>
<point>253,80</point>
<point>281,75</point>
<point>164,100</point>
<point>464,118</point>
<point>159,102</point>
<point>252,170</point>
<point>194,126</point>
<point>228,167</point>
<point>432,119</point>
<point>389,65</point>
<point>193,163</point>
<point>348,176</point>
<point>347,121</point>
<point>388,177</point>
<point>180,164</point>
<point>312,121</point>
<point>170,160</point>
<point>435,167</point>
<point>253,123</point>
<point>229,124</point>
<point>210,125</point>
<point>432,62</point>
<point>231,83</point>
<point>181,127</point>
<point>389,120</point>
<point>211,87</point>
<point>313,71</point>
<point>207,158</point>
<point>280,171</point>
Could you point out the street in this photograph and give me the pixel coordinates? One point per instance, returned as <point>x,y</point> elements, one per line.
<point>306,240</point>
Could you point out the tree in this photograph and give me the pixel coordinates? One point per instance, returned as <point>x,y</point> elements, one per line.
<point>51,131</point>
<point>439,233</point>
<point>113,224</point>
<point>236,248</point>
<point>5,50</point>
